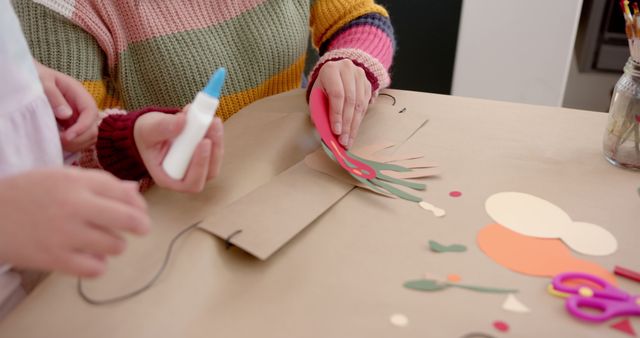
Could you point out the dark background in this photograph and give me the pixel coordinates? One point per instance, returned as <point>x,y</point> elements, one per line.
<point>426,34</point>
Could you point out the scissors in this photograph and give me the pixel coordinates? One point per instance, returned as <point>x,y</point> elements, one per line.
<point>586,292</point>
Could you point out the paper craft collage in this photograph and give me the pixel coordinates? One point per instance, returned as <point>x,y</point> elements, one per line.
<point>530,235</point>
<point>312,187</point>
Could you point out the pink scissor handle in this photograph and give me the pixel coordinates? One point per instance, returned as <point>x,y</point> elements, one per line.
<point>607,300</point>
<point>319,106</point>
<point>606,289</point>
<point>605,308</point>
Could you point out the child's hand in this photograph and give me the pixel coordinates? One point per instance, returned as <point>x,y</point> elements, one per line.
<point>349,93</point>
<point>73,106</point>
<point>153,133</point>
<point>67,219</point>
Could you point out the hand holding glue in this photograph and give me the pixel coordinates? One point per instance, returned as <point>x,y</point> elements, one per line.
<point>199,118</point>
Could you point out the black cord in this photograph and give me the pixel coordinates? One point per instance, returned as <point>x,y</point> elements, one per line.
<point>389,95</point>
<point>144,288</point>
<point>477,335</point>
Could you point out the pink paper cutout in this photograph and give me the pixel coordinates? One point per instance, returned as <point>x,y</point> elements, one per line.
<point>501,326</point>
<point>319,106</point>
<point>624,326</point>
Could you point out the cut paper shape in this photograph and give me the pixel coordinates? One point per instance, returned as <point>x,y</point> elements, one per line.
<point>433,285</point>
<point>624,326</point>
<point>318,161</point>
<point>533,256</point>
<point>435,210</point>
<point>533,216</point>
<point>455,194</point>
<point>365,171</point>
<point>513,304</point>
<point>437,247</point>
<point>399,320</point>
<point>426,285</point>
<point>453,278</point>
<point>627,273</point>
<point>501,326</point>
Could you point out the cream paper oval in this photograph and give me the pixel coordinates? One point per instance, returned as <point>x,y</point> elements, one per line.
<point>527,214</point>
<point>589,239</point>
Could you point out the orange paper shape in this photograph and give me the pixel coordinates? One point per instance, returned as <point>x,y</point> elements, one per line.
<point>534,256</point>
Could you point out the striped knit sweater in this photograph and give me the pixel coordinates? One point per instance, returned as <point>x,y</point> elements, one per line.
<point>139,53</point>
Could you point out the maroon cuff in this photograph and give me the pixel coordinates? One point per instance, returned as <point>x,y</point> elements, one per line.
<point>370,76</point>
<point>116,147</point>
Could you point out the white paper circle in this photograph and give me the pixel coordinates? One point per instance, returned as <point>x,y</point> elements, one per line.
<point>589,239</point>
<point>527,214</point>
<point>399,320</point>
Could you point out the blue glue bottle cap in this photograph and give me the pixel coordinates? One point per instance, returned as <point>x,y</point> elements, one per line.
<point>214,86</point>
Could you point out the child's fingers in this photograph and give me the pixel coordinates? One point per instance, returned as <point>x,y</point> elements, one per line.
<point>83,264</point>
<point>80,142</point>
<point>364,93</point>
<point>349,85</point>
<point>98,241</point>
<point>196,175</point>
<point>159,127</point>
<point>108,186</point>
<point>217,148</point>
<point>117,216</point>
<point>75,94</point>
<point>84,127</point>
<point>58,103</point>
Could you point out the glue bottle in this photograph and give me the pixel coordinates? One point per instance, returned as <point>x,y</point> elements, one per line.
<point>199,118</point>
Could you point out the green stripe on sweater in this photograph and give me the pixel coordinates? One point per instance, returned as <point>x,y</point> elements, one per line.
<point>76,52</point>
<point>258,44</point>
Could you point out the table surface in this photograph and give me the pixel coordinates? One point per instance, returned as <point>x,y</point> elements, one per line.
<point>342,276</point>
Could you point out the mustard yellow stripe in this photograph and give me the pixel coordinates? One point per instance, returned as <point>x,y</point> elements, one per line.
<point>98,89</point>
<point>328,16</point>
<point>286,80</point>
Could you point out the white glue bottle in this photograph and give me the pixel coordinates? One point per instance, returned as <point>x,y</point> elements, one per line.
<point>199,118</point>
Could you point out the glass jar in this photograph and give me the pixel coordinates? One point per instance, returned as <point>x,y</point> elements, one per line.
<point>622,136</point>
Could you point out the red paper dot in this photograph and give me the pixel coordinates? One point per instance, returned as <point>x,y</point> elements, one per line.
<point>638,118</point>
<point>501,326</point>
<point>455,194</point>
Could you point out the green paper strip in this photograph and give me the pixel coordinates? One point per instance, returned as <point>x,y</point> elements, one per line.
<point>369,184</point>
<point>437,247</point>
<point>396,191</point>
<point>483,288</point>
<point>433,285</point>
<point>408,184</point>
<point>379,166</point>
<point>425,285</point>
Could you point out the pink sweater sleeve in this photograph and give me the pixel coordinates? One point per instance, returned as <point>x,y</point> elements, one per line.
<point>368,41</point>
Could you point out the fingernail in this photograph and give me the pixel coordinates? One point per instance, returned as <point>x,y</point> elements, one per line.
<point>337,128</point>
<point>344,139</point>
<point>63,112</point>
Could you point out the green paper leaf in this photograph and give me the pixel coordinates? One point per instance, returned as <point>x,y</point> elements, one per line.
<point>369,184</point>
<point>482,288</point>
<point>379,166</point>
<point>408,184</point>
<point>425,285</point>
<point>437,247</point>
<point>396,191</point>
